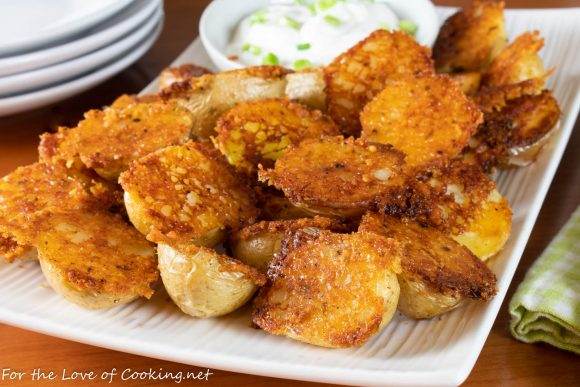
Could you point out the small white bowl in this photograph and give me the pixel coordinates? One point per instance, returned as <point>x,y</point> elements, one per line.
<point>221,17</point>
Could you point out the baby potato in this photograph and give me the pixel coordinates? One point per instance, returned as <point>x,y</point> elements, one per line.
<point>211,95</point>
<point>494,98</point>
<point>342,177</point>
<point>32,192</point>
<point>471,38</point>
<point>437,273</point>
<point>517,62</point>
<point>428,118</point>
<point>468,81</point>
<point>95,260</point>
<point>179,74</point>
<point>307,87</point>
<point>355,77</point>
<point>204,283</point>
<point>187,193</point>
<point>258,132</point>
<point>256,244</point>
<point>274,205</point>
<point>108,140</point>
<point>331,290</point>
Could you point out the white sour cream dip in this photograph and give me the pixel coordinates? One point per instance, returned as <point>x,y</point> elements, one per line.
<point>302,33</point>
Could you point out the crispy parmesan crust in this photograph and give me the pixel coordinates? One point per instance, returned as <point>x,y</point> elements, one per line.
<point>178,74</point>
<point>331,290</point>
<point>468,81</point>
<point>341,176</point>
<point>428,118</point>
<point>187,193</point>
<point>258,132</point>
<point>471,38</point>
<point>356,76</point>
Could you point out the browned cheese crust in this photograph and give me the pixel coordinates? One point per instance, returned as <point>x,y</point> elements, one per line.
<point>434,259</point>
<point>468,81</point>
<point>336,176</point>
<point>325,288</point>
<point>182,73</point>
<point>108,140</point>
<point>428,118</point>
<point>356,76</point>
<point>186,193</point>
<point>471,38</point>
<point>258,132</point>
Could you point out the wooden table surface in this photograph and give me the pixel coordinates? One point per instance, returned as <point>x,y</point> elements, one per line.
<point>503,360</point>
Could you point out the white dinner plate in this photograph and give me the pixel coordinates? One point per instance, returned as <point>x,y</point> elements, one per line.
<point>28,101</point>
<point>55,74</point>
<point>441,351</point>
<point>25,24</point>
<point>108,31</point>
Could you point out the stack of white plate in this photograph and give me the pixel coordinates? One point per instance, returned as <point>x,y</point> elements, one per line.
<point>51,50</point>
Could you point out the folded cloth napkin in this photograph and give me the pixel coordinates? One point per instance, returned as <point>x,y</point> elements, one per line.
<point>546,305</point>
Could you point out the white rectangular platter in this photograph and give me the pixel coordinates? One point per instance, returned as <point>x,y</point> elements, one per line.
<point>437,352</point>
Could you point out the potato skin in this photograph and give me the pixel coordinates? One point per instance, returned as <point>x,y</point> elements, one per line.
<point>359,74</point>
<point>258,132</point>
<point>342,178</point>
<point>427,117</point>
<point>317,271</point>
<point>437,273</point>
<point>187,193</point>
<point>469,39</point>
<point>204,283</point>
<point>108,140</point>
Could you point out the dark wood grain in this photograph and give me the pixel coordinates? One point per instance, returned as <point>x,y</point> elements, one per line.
<point>504,361</point>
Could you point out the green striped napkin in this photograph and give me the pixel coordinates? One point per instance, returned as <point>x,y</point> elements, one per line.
<point>546,306</point>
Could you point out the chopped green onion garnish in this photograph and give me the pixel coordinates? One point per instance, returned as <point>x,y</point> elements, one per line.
<point>332,20</point>
<point>270,59</point>
<point>326,4</point>
<point>408,26</point>
<point>301,64</point>
<point>292,23</point>
<point>303,46</point>
<point>254,50</point>
<point>258,17</point>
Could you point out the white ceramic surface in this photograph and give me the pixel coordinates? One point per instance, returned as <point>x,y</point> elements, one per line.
<point>221,17</point>
<point>28,101</point>
<point>109,31</point>
<point>441,351</point>
<point>25,24</point>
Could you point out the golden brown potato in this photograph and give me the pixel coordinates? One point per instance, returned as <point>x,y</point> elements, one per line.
<point>330,290</point>
<point>256,244</point>
<point>437,273</point>
<point>95,260</point>
<point>494,98</point>
<point>428,118</point>
<point>204,283</point>
<point>517,62</point>
<point>211,95</point>
<point>178,74</point>
<point>356,76</point>
<point>258,132</point>
<point>471,38</point>
<point>336,176</point>
<point>468,81</point>
<point>307,87</point>
<point>515,134</point>
<point>30,193</point>
<point>187,193</point>
<point>108,140</point>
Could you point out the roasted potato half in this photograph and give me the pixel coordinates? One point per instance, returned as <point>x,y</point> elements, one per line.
<point>471,38</point>
<point>330,290</point>
<point>468,81</point>
<point>258,132</point>
<point>274,205</point>
<point>108,140</point>
<point>256,244</point>
<point>494,98</point>
<point>307,87</point>
<point>187,193</point>
<point>185,72</point>
<point>428,118</point>
<point>95,260</point>
<point>204,283</point>
<point>437,273</point>
<point>517,62</point>
<point>356,76</point>
<point>336,176</point>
